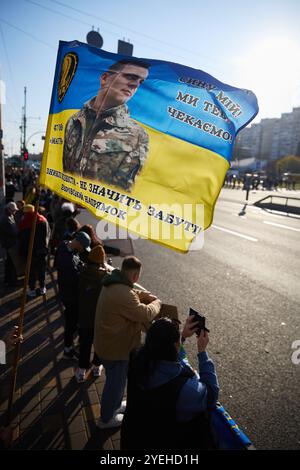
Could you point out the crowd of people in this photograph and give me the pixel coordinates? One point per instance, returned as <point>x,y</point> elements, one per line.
<point>20,180</point>
<point>56,222</point>
<point>15,228</point>
<point>256,182</point>
<point>167,401</point>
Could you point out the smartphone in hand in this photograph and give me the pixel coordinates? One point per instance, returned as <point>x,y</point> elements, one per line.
<point>201,321</point>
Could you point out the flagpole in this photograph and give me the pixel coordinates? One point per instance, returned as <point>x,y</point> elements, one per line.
<point>106,93</point>
<point>17,350</point>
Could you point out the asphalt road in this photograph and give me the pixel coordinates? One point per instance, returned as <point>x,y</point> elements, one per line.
<point>246,281</point>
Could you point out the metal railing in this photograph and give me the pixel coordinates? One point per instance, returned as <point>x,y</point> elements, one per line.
<point>286,207</point>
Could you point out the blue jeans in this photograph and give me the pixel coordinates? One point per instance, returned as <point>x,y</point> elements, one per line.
<point>115,383</point>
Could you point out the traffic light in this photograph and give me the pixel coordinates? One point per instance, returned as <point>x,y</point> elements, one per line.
<point>25,154</point>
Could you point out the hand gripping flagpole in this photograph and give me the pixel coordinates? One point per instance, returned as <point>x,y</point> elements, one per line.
<point>17,350</point>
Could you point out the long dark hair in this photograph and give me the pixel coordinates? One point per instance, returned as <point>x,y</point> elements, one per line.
<point>159,346</point>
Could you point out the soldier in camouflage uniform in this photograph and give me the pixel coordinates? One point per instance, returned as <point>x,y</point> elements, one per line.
<point>101,141</point>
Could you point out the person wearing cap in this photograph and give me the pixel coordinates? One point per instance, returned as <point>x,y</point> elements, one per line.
<point>68,264</point>
<point>90,283</point>
<point>8,238</point>
<point>40,247</point>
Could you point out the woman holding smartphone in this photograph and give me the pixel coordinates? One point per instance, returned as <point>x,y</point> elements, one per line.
<point>168,402</point>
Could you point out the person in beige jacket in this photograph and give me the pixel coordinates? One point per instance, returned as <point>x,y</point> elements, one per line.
<point>122,313</point>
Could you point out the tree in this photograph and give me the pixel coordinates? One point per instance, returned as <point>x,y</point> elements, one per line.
<point>288,164</point>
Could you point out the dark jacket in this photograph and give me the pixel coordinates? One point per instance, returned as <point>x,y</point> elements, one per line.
<point>10,190</point>
<point>60,226</point>
<point>90,284</point>
<point>175,402</point>
<point>8,230</point>
<point>41,237</point>
<point>68,265</point>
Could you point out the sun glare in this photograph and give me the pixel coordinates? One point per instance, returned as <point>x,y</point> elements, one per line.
<point>272,71</point>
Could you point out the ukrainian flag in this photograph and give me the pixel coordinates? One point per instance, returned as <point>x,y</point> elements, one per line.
<point>191,119</point>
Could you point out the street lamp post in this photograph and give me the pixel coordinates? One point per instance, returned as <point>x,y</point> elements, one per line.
<point>2,171</point>
<point>32,135</point>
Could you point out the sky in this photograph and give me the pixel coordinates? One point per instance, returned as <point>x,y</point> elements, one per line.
<point>248,44</point>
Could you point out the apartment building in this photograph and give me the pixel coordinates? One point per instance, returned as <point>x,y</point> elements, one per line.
<point>270,139</point>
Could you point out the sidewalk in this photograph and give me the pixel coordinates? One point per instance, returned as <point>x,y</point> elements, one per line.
<point>51,411</point>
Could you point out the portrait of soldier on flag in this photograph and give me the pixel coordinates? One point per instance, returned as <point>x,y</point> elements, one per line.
<point>158,133</point>
<point>101,140</point>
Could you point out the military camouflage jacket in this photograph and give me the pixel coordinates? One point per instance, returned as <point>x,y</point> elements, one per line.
<point>111,148</point>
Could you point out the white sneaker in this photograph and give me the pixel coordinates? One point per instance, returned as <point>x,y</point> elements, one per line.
<point>114,422</point>
<point>31,293</point>
<point>97,370</point>
<point>122,407</point>
<point>80,375</point>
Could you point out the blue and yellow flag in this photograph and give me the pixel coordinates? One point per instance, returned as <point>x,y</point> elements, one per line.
<point>142,143</point>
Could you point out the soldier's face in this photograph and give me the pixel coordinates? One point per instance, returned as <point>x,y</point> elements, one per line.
<point>124,83</point>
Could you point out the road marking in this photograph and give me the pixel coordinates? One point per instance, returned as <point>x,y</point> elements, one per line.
<point>282,226</point>
<point>265,212</point>
<point>246,237</point>
<point>280,214</point>
<point>274,213</point>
